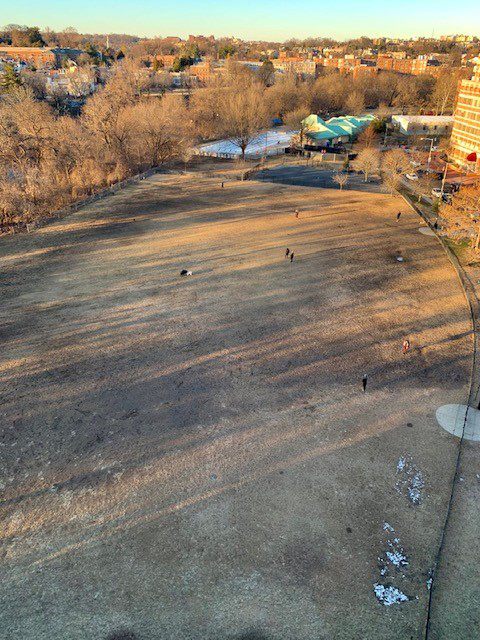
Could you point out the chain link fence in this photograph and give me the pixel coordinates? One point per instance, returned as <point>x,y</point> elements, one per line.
<point>78,204</point>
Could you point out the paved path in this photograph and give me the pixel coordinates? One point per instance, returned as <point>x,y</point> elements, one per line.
<point>309,176</point>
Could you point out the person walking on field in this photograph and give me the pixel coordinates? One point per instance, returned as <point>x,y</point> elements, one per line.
<point>406,346</point>
<point>364,382</point>
<point>398,216</point>
<point>297,213</point>
<point>291,256</point>
<point>287,251</point>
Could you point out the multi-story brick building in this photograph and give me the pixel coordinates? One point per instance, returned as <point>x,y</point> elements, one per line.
<point>465,140</point>
<point>296,65</point>
<point>166,60</point>
<point>364,70</point>
<point>39,57</point>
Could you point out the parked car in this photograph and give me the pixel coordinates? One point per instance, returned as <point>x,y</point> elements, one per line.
<point>411,176</point>
<point>437,192</point>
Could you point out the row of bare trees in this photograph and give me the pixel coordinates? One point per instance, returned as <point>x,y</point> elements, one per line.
<point>290,97</point>
<point>48,160</point>
<point>459,218</point>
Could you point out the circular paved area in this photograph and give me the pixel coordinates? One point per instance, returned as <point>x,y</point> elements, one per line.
<point>460,420</point>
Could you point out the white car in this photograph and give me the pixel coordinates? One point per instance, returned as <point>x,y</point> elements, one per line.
<point>437,192</point>
<point>411,176</point>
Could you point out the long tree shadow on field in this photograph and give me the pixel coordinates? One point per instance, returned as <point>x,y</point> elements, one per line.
<point>133,390</point>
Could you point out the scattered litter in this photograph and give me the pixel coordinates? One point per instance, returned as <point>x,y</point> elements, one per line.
<point>387,527</point>
<point>388,595</point>
<point>429,583</point>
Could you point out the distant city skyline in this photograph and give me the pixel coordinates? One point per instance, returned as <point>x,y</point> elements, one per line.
<point>250,20</point>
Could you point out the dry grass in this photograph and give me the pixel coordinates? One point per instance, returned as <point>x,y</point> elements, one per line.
<point>194,457</point>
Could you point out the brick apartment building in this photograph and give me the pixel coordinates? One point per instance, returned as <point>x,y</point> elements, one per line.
<point>411,66</point>
<point>172,40</point>
<point>465,140</point>
<point>39,57</point>
<point>203,72</point>
<point>165,59</point>
<point>296,65</point>
<point>364,70</point>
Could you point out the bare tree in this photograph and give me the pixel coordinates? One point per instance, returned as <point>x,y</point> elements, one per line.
<point>443,96</point>
<point>355,103</point>
<point>205,108</point>
<point>424,185</point>
<point>341,179</point>
<point>163,131</point>
<point>367,138</point>
<point>461,218</point>
<point>266,73</point>
<point>368,161</point>
<point>285,96</point>
<point>395,161</point>
<point>296,121</point>
<point>243,115</point>
<point>49,160</point>
<point>36,82</point>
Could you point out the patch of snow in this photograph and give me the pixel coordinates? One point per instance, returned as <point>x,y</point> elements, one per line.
<point>397,558</point>
<point>270,142</point>
<point>388,595</point>
<point>415,488</point>
<point>410,482</point>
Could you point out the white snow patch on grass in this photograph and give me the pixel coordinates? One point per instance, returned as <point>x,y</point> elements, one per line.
<point>388,595</point>
<point>397,558</point>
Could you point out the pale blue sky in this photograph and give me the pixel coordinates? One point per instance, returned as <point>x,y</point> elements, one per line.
<point>251,19</point>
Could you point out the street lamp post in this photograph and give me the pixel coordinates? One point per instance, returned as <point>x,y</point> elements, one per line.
<point>444,177</point>
<point>432,140</point>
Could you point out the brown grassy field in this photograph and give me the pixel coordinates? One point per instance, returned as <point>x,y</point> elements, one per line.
<point>194,458</point>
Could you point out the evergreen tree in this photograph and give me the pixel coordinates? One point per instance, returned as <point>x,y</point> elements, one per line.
<point>11,77</point>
